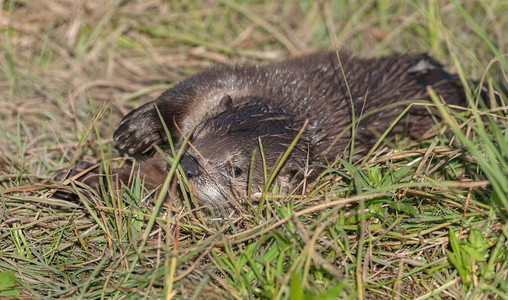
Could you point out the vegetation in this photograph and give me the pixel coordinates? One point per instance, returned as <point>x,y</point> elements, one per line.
<point>422,218</point>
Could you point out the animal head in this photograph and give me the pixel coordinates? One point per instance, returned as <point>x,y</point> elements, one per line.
<point>218,158</point>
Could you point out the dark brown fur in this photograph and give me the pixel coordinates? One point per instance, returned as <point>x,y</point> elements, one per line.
<point>236,106</point>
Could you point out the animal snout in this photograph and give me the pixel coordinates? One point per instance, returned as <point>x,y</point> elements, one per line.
<point>190,166</point>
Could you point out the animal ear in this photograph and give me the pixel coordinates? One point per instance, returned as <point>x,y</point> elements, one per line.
<point>226,102</point>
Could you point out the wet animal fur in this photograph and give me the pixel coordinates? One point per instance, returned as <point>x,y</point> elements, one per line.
<point>237,107</point>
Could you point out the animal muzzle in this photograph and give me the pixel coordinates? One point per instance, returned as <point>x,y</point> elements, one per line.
<point>190,166</point>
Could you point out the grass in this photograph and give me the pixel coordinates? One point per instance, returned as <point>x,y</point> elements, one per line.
<point>427,220</point>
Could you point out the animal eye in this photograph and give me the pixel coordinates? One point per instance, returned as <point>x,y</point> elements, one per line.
<point>237,171</point>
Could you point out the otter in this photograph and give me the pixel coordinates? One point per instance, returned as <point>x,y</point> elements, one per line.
<point>229,112</point>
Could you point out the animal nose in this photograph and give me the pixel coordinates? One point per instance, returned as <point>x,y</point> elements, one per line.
<point>190,166</point>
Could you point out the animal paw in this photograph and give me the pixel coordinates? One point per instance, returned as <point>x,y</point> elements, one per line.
<point>85,172</point>
<point>139,130</point>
